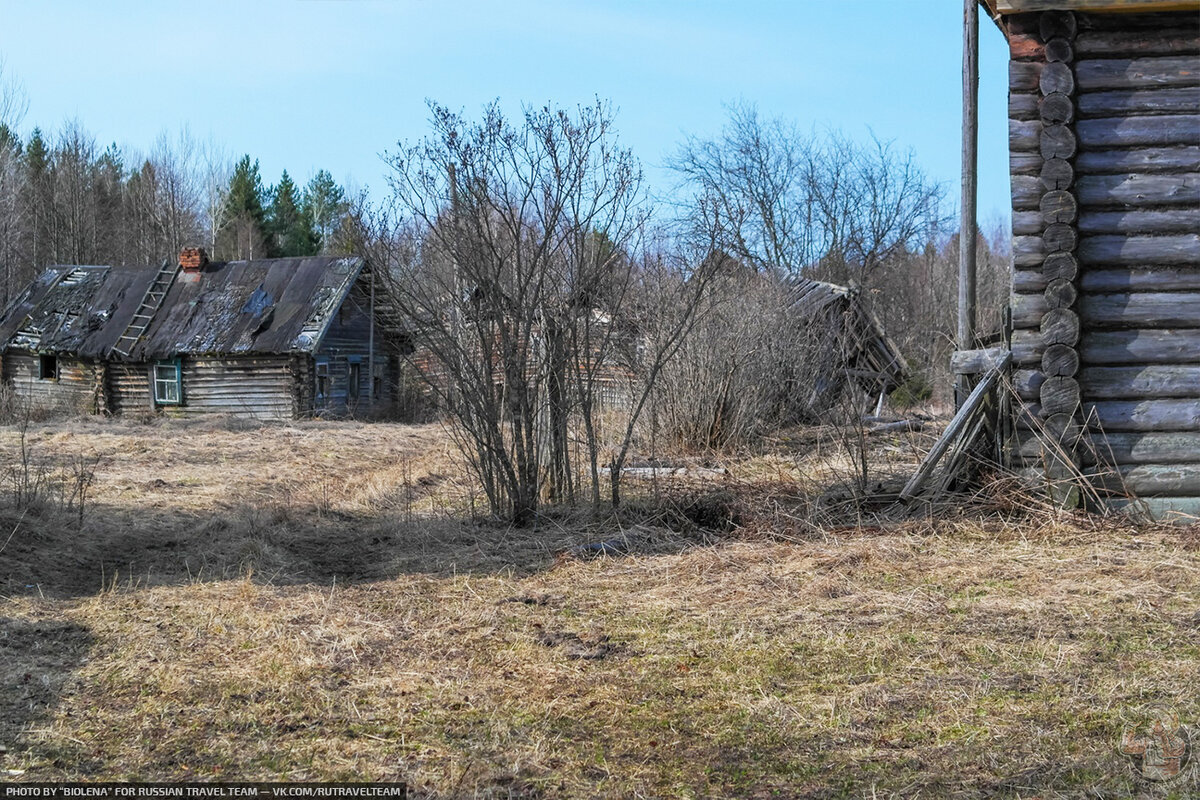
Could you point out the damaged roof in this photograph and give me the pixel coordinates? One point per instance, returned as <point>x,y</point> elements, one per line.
<point>266,306</point>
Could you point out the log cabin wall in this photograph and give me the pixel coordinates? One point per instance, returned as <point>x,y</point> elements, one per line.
<point>1104,133</point>
<point>74,387</point>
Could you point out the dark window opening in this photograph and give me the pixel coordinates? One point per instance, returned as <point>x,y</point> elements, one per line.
<point>48,368</point>
<point>353,378</point>
<point>322,383</point>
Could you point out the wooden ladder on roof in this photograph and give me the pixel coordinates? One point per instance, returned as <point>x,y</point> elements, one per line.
<point>144,315</point>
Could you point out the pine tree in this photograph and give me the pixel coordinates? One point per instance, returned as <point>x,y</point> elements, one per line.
<point>291,228</point>
<point>325,204</point>
<point>243,224</point>
<point>39,199</point>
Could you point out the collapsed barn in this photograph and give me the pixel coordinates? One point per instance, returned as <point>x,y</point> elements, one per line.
<point>269,339</point>
<point>1104,133</point>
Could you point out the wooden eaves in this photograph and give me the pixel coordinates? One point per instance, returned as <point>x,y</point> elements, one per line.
<point>1002,7</point>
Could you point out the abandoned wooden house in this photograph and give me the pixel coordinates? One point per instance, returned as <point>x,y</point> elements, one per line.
<point>1104,150</point>
<point>269,339</point>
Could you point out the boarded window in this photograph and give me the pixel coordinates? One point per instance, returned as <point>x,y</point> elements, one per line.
<point>48,368</point>
<point>168,383</point>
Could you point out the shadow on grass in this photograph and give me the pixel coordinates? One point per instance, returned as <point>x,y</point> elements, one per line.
<point>37,657</point>
<point>53,555</point>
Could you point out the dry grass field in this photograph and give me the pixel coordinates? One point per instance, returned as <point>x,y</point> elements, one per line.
<point>306,602</point>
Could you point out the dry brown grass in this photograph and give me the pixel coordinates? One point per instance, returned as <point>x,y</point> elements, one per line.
<point>304,602</point>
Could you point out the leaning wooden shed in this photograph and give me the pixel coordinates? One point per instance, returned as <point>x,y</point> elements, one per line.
<point>1104,140</point>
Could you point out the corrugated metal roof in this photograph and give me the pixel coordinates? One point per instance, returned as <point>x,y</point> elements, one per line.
<point>233,307</point>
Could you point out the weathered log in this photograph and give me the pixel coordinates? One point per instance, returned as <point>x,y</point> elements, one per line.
<point>1128,44</point>
<point>1024,106</point>
<point>1056,109</point>
<point>1143,448</point>
<point>1107,416</point>
<point>1163,480</point>
<point>1057,174</point>
<point>1141,310</point>
<point>1176,510</point>
<point>1028,311</point>
<point>1178,220</point>
<point>1057,141</point>
<point>1059,237</point>
<point>1140,280</point>
<point>1060,266</point>
<point>1141,382</point>
<point>1024,47</point>
<point>1137,347</point>
<point>1027,348</point>
<point>1063,429</point>
<point>1060,361</point>
<point>1060,326</point>
<point>976,362</point>
<point>1136,73</point>
<point>1104,251</point>
<point>1164,131</point>
<point>1024,163</point>
<point>1059,395</point>
<point>1027,223</point>
<point>1057,24</point>
<point>1024,76</point>
<point>1120,103</point>
<point>1028,281</point>
<point>1060,293</point>
<point>1143,415</point>
<point>1024,136</point>
<point>1056,78</point>
<point>1028,251</point>
<point>1026,192</point>
<point>1058,50</point>
<point>1058,206</point>
<point>1138,190</point>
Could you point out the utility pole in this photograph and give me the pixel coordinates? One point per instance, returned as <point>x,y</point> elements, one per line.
<point>970,156</point>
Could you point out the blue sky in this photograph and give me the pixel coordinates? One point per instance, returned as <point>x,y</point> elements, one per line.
<point>311,84</point>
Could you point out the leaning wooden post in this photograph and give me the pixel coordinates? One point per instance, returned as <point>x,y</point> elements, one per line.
<point>970,148</point>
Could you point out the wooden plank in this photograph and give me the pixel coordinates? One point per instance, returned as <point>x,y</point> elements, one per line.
<point>1023,76</point>
<point>1179,220</point>
<point>1172,510</point>
<point>1024,163</point>
<point>1023,106</point>
<point>1026,192</point>
<point>1108,251</point>
<point>1137,190</point>
<point>1144,414</point>
<point>1135,73</point>
<point>1137,131</point>
<point>957,425</point>
<point>1027,223</point>
<point>1117,348</point>
<point>1125,102</point>
<point>1142,448</point>
<point>1028,251</point>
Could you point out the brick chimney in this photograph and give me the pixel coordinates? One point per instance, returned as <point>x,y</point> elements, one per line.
<point>193,259</point>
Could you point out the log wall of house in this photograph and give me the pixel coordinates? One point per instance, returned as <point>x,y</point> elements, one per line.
<point>347,341</point>
<point>77,389</point>
<point>261,387</point>
<point>1104,134</point>
<point>129,389</point>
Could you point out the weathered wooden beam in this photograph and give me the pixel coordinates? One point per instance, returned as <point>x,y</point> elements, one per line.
<point>1116,383</point>
<point>1132,190</point>
<point>1024,136</point>
<point>1109,310</point>
<point>1161,131</point>
<point>1130,44</point>
<point>975,362</point>
<point>1163,480</point>
<point>1110,251</point>
<point>1019,6</point>
<point>1026,191</point>
<point>1107,416</point>
<point>1024,163</point>
<point>1134,73</point>
<point>1167,346</point>
<point>1179,510</point>
<point>1151,279</point>
<point>1056,174</point>
<point>1124,102</point>
<point>1176,220</point>
<point>1027,223</point>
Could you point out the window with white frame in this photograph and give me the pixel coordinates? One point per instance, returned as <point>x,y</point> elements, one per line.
<point>168,383</point>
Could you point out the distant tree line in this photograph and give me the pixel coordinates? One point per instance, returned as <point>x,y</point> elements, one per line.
<point>64,199</point>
